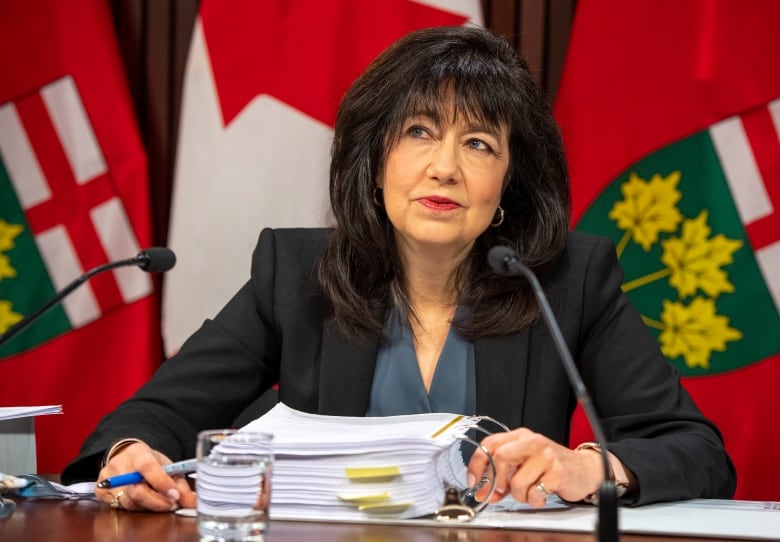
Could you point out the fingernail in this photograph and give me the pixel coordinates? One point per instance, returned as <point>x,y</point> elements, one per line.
<point>470,480</point>
<point>174,506</point>
<point>173,494</point>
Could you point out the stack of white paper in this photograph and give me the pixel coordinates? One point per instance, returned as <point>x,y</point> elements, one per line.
<point>351,468</point>
<point>12,413</point>
<point>17,437</point>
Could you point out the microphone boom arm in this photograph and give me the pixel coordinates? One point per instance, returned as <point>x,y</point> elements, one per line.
<point>505,260</point>
<point>568,363</point>
<point>153,259</point>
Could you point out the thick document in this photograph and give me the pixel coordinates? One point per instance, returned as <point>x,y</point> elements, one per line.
<point>353,468</point>
<point>393,470</point>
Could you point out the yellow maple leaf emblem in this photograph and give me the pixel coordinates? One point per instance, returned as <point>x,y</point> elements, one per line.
<point>694,331</point>
<point>6,269</point>
<point>695,261</point>
<point>8,232</point>
<point>7,316</point>
<point>692,263</point>
<point>647,208</point>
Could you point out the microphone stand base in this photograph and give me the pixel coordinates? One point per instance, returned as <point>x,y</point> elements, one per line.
<point>607,526</point>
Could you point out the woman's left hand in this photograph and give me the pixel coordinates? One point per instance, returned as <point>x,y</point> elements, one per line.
<point>531,467</point>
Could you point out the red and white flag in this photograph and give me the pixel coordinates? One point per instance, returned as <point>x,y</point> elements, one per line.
<point>670,114</point>
<point>73,196</point>
<point>262,86</point>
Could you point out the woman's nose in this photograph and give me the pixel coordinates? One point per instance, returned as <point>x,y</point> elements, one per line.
<point>445,161</point>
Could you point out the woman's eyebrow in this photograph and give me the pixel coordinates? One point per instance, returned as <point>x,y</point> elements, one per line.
<point>494,131</point>
<point>471,125</point>
<point>422,115</point>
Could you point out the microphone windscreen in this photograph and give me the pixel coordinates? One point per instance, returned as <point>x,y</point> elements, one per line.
<point>157,259</point>
<point>499,257</point>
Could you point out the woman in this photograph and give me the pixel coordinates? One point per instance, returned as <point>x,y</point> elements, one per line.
<point>443,148</point>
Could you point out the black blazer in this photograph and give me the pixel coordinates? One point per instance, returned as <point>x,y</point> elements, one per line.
<point>273,331</point>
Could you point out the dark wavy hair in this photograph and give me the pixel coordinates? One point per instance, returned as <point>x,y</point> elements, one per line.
<point>435,69</point>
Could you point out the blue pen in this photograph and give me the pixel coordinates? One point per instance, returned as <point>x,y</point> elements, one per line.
<point>180,467</point>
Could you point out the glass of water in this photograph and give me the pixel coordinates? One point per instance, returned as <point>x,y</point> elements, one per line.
<point>233,483</point>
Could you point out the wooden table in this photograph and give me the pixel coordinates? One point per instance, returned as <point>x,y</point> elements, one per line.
<point>82,521</point>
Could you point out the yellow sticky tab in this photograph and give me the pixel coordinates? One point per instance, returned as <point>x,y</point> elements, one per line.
<point>371,474</point>
<point>362,500</point>
<point>389,508</point>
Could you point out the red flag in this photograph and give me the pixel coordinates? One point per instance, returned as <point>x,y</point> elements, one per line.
<point>74,196</point>
<point>670,119</point>
<point>261,90</point>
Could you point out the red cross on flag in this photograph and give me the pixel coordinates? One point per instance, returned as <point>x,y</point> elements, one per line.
<point>73,196</point>
<point>262,86</point>
<point>671,119</point>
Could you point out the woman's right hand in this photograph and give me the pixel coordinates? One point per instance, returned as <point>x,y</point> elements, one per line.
<point>158,492</point>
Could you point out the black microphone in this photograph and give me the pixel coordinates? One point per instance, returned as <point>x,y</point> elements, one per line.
<point>506,261</point>
<point>151,260</point>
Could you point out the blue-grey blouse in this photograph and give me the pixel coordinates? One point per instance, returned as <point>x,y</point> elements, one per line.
<point>398,386</point>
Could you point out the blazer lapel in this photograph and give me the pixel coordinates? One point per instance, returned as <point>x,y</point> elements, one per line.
<point>346,375</point>
<point>501,374</point>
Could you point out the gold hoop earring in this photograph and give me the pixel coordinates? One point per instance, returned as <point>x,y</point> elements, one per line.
<point>498,218</point>
<point>378,197</point>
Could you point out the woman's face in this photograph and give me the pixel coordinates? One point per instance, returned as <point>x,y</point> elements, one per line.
<point>443,181</point>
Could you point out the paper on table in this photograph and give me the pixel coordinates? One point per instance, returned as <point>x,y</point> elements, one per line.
<point>754,520</point>
<point>734,520</point>
<point>10,413</point>
<point>301,432</point>
<point>748,520</point>
<point>349,468</point>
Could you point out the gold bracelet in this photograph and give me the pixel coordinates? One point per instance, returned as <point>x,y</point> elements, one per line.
<point>620,485</point>
<point>118,445</point>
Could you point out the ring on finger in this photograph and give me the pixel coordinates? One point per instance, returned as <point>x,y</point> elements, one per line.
<point>116,504</point>
<point>543,491</point>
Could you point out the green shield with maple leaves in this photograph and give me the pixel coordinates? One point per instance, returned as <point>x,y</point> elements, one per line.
<point>24,282</point>
<point>689,268</point>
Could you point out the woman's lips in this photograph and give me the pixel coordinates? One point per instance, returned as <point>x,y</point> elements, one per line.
<point>439,204</point>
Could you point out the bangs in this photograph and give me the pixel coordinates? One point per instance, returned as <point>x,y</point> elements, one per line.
<point>460,98</point>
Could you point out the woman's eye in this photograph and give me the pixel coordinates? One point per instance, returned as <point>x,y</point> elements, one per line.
<point>478,145</point>
<point>417,131</point>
